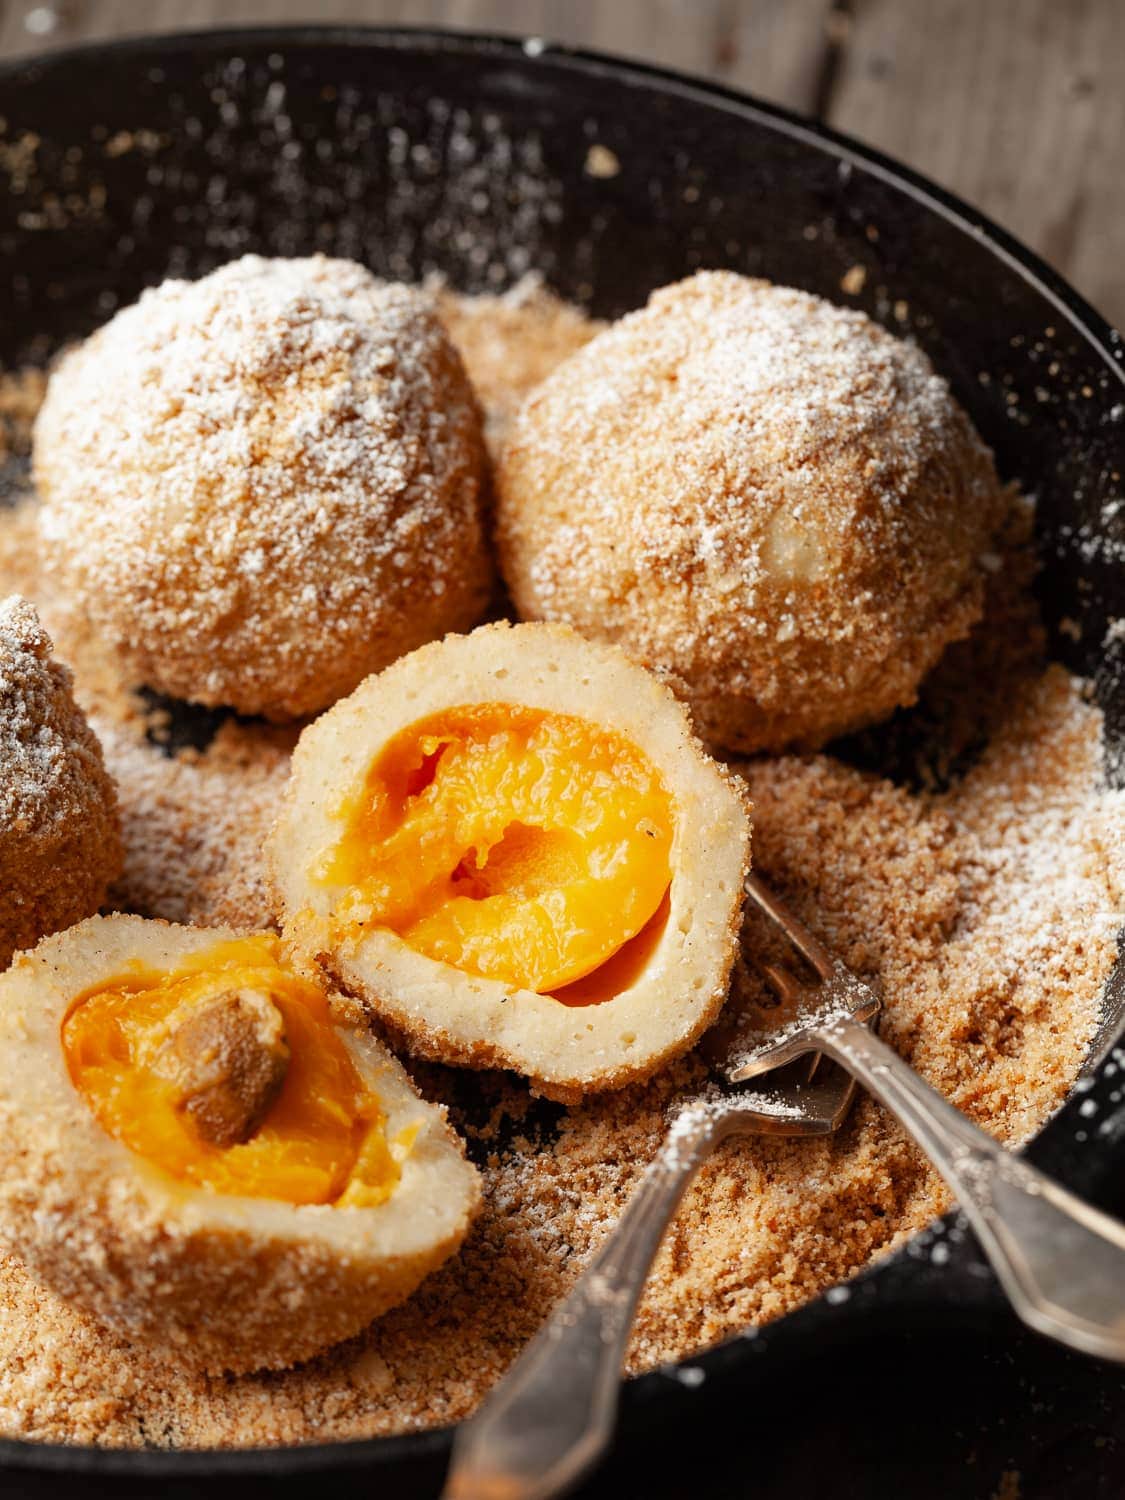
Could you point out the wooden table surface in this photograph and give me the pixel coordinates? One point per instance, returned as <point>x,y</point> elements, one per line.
<point>1017,105</point>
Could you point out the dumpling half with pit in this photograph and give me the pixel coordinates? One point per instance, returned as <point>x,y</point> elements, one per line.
<point>206,1150</point>
<point>511,845</point>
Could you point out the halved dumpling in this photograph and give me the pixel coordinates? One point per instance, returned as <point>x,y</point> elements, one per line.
<point>512,845</point>
<point>201,1147</point>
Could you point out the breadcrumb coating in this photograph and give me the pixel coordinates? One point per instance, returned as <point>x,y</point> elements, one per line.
<point>510,342</point>
<point>440,1012</point>
<point>936,892</point>
<point>60,842</point>
<point>266,484</point>
<point>768,498</point>
<point>213,1281</point>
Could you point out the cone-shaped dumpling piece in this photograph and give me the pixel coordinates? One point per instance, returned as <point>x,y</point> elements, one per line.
<point>60,836</point>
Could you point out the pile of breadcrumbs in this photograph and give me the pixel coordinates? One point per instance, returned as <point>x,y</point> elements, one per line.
<point>985,904</point>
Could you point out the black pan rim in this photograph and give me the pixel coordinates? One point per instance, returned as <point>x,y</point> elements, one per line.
<point>653,1388</point>
<point>1082,315</point>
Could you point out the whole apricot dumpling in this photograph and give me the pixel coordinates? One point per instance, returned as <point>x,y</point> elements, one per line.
<point>768,499</point>
<point>266,484</point>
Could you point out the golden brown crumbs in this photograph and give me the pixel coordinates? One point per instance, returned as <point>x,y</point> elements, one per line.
<point>60,844</point>
<point>313,434</point>
<point>21,394</point>
<point>194,825</point>
<point>510,342</point>
<point>766,498</point>
<point>985,908</point>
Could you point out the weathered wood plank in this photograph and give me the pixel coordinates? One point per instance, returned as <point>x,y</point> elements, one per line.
<point>1017,105</point>
<point>660,32</point>
<point>769,46</point>
<point>96,20</point>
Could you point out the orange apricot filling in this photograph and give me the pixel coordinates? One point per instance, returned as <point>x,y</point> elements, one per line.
<point>510,842</point>
<point>320,1140</point>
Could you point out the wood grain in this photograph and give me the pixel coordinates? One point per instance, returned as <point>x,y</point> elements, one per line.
<point>770,47</point>
<point>1016,105</point>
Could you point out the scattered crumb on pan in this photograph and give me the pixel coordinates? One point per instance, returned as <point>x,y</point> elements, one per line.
<point>981,891</point>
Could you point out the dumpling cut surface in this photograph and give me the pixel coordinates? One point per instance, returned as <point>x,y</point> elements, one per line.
<point>485,837</point>
<point>512,846</point>
<point>263,485</point>
<point>204,1149</point>
<point>771,500</point>
<point>60,837</point>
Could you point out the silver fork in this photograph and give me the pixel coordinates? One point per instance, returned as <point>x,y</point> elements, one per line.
<point>1061,1262</point>
<point>554,1412</point>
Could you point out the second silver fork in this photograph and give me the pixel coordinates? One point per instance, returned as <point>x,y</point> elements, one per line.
<point>1061,1262</point>
<point>553,1413</point>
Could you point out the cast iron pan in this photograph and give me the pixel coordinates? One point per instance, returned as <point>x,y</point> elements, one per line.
<point>419,152</point>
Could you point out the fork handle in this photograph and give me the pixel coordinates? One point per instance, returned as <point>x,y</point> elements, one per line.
<point>1061,1262</point>
<point>553,1413</point>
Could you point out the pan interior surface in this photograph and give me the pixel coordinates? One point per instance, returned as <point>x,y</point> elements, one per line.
<point>470,159</point>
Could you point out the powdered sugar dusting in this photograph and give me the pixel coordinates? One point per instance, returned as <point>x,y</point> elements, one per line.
<point>59,845</point>
<point>33,751</point>
<point>928,894</point>
<point>265,484</point>
<point>762,495</point>
<point>510,342</point>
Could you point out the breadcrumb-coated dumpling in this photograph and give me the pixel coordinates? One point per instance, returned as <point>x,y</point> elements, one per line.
<point>769,499</point>
<point>207,1151</point>
<point>511,845</point>
<point>263,485</point>
<point>60,836</point>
